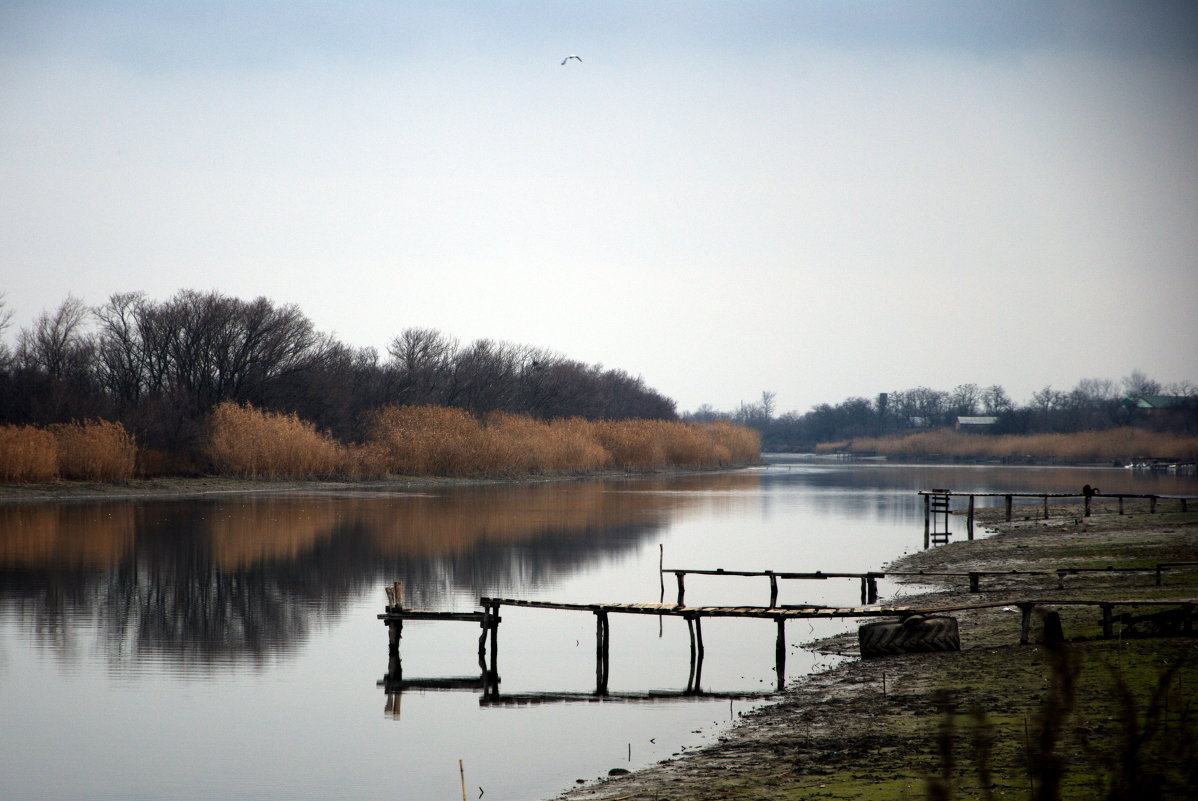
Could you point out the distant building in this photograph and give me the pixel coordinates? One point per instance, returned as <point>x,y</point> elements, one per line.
<point>1157,402</point>
<point>976,424</point>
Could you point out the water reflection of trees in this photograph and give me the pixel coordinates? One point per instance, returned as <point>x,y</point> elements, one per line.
<point>246,578</point>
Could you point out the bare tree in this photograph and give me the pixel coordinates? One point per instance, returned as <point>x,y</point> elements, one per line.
<point>57,342</point>
<point>994,400</point>
<point>1138,385</point>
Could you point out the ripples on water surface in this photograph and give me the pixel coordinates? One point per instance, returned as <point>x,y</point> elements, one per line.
<point>229,648</point>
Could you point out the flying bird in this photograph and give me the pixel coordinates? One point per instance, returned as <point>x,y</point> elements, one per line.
<point>567,58</point>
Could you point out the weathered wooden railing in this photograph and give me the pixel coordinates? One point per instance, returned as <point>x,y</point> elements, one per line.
<point>936,503</point>
<point>869,580</point>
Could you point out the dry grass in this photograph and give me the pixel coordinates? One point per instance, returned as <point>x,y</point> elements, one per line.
<point>28,455</point>
<point>1118,444</point>
<point>95,451</point>
<point>250,443</point>
<point>435,440</point>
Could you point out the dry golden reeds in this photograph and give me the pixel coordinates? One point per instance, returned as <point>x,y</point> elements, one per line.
<point>98,450</point>
<point>1117,444</point>
<point>435,440</point>
<point>27,455</point>
<point>250,443</point>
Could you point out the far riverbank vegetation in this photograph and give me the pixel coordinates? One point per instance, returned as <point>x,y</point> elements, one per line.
<point>1098,421</point>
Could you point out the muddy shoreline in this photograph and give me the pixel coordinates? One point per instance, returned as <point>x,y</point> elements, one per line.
<point>868,729</point>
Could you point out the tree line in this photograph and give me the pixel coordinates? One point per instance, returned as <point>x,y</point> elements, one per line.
<point>160,367</point>
<point>1094,404</point>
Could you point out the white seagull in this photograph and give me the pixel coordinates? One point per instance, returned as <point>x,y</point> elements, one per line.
<point>567,58</point>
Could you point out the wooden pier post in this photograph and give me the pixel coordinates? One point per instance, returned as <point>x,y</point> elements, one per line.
<point>602,663</point>
<point>394,627</point>
<point>492,624</point>
<point>1026,623</point>
<point>1008,504</point>
<point>773,590</point>
<point>694,681</point>
<point>780,654</point>
<point>1120,504</point>
<point>681,576</point>
<point>1045,507</point>
<point>974,577</point>
<point>927,522</point>
<point>969,519</point>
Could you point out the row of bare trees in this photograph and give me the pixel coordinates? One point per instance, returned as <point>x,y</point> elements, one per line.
<point>160,367</point>
<point>1094,404</point>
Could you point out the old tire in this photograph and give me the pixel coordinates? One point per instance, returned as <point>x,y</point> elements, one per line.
<point>911,636</point>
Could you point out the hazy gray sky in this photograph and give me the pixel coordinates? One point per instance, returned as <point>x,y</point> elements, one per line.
<point>820,199</point>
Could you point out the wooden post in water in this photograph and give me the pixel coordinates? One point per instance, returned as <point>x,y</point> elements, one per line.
<point>1120,504</point>
<point>773,590</point>
<point>927,522</point>
<point>969,519</point>
<point>694,681</point>
<point>1008,503</point>
<point>780,654</point>
<point>492,623</point>
<point>681,576</point>
<point>601,652</point>
<point>1045,507</point>
<point>394,627</point>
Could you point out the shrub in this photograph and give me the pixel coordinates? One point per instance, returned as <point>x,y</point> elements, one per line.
<point>27,455</point>
<point>95,451</point>
<point>244,441</point>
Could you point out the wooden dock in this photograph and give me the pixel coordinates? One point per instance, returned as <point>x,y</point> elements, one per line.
<point>1185,612</point>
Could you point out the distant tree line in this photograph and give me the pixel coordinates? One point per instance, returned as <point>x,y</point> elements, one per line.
<point>1095,404</point>
<point>160,367</point>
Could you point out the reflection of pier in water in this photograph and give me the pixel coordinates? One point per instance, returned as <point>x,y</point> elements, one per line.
<point>395,614</point>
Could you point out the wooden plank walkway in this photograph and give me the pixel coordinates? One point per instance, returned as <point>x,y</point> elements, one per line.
<point>489,619</point>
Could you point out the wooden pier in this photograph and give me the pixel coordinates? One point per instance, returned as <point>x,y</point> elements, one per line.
<point>1183,611</point>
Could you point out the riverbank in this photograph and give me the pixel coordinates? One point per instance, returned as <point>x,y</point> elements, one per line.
<point>200,486</point>
<point>995,718</point>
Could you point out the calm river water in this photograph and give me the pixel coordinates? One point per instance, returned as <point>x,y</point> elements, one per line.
<point>228,648</point>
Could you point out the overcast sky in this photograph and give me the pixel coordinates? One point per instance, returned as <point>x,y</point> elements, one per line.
<point>819,199</point>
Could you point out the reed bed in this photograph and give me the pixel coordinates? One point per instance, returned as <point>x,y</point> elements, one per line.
<point>98,450</point>
<point>436,440</point>
<point>28,455</point>
<point>250,443</point>
<point>1114,445</point>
